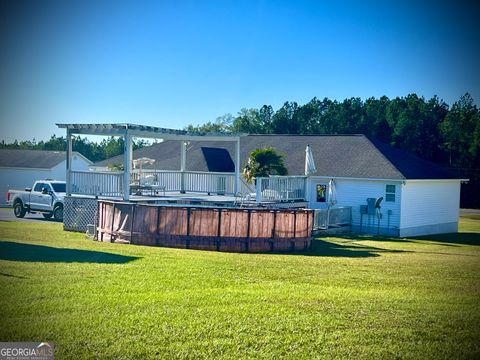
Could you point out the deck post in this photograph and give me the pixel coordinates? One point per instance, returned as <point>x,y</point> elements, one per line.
<point>127,167</point>
<point>306,189</point>
<point>69,164</point>
<point>183,165</point>
<point>237,166</point>
<point>258,190</point>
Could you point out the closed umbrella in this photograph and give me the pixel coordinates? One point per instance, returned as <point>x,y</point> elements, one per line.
<point>332,198</point>
<point>332,193</point>
<point>309,162</point>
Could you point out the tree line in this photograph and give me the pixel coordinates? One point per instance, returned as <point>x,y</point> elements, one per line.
<point>94,151</point>
<point>428,128</point>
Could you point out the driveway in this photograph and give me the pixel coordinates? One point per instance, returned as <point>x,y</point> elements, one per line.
<point>469,211</point>
<point>6,214</point>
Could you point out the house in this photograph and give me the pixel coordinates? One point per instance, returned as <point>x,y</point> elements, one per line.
<point>20,168</point>
<point>419,197</point>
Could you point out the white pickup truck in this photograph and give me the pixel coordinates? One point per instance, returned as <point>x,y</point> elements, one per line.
<point>46,197</point>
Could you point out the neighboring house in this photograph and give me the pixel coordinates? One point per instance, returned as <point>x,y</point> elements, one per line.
<point>20,168</point>
<point>419,197</point>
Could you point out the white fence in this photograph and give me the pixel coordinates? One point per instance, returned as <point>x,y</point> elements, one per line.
<point>188,181</point>
<point>172,180</point>
<point>111,183</point>
<point>220,183</point>
<point>280,188</point>
<point>334,217</point>
<point>95,183</point>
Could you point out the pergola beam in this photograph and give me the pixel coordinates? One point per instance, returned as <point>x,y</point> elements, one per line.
<point>129,131</point>
<point>143,131</point>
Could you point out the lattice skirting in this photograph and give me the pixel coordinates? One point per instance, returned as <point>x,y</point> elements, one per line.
<point>79,212</point>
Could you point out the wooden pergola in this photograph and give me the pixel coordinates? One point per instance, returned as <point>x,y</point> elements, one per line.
<point>129,131</point>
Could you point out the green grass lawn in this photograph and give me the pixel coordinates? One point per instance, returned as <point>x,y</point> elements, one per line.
<point>356,297</point>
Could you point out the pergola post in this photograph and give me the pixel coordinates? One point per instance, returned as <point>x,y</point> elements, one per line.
<point>237,166</point>
<point>128,132</point>
<point>183,165</point>
<point>69,164</point>
<point>127,167</point>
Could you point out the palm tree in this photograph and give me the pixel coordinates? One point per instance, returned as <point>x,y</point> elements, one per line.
<point>264,162</point>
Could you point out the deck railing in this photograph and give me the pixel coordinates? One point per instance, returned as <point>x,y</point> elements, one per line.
<point>172,180</point>
<point>96,183</point>
<point>333,217</point>
<point>246,188</point>
<point>111,183</point>
<point>280,188</point>
<point>188,181</point>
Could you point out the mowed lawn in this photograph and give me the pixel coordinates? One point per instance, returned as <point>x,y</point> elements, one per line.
<point>358,297</point>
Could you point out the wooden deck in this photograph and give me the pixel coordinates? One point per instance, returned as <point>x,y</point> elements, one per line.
<point>202,200</point>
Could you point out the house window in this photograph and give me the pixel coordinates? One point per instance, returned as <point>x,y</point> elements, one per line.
<point>390,193</point>
<point>321,193</point>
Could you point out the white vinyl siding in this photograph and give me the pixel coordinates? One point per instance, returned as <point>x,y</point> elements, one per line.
<point>430,207</point>
<point>18,179</point>
<point>59,171</point>
<point>354,193</point>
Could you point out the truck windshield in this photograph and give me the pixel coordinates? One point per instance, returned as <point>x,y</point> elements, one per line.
<point>58,187</point>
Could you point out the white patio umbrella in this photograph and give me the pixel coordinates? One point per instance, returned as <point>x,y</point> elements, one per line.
<point>309,163</point>
<point>332,193</point>
<point>332,198</point>
<point>140,162</point>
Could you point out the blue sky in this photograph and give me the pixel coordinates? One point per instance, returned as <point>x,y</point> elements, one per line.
<point>171,63</point>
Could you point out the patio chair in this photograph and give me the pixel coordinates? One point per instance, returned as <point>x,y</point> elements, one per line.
<point>270,195</point>
<point>150,182</point>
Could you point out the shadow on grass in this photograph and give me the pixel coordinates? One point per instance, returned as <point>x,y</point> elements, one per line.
<point>451,239</point>
<point>326,248</point>
<point>464,238</point>
<point>12,276</point>
<point>370,237</point>
<point>38,253</point>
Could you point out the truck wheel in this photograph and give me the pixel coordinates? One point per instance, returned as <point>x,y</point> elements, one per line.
<point>18,210</point>
<point>47,215</point>
<point>58,212</point>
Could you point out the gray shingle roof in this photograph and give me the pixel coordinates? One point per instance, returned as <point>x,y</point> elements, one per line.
<point>353,156</point>
<point>39,159</point>
<point>30,158</point>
